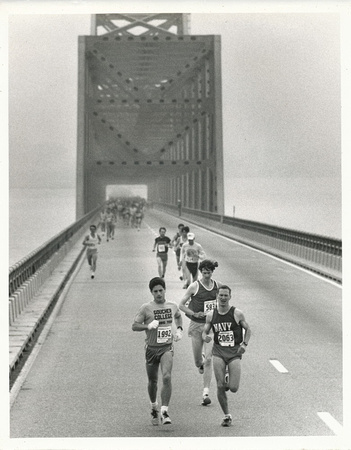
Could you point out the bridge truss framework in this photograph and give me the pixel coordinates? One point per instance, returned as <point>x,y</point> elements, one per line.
<point>150,111</point>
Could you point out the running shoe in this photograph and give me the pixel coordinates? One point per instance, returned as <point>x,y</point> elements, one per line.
<point>227,420</point>
<point>201,369</point>
<point>206,400</point>
<point>93,275</point>
<point>165,419</point>
<point>181,278</point>
<point>154,417</point>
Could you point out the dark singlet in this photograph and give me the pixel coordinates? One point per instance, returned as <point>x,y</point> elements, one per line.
<point>204,300</point>
<point>227,332</point>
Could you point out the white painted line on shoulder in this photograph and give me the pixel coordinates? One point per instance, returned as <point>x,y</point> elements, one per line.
<point>332,423</point>
<point>279,366</point>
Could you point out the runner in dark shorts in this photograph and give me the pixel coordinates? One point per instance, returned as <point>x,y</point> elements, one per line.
<point>231,335</point>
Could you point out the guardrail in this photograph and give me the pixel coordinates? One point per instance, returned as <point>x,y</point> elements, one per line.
<point>320,254</point>
<point>30,266</point>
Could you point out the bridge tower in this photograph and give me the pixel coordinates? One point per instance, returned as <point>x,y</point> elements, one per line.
<point>150,111</point>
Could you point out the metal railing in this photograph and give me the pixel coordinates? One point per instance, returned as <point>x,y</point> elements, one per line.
<point>32,263</point>
<point>321,254</point>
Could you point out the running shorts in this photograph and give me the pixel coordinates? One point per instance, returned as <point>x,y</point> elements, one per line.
<point>154,354</point>
<point>193,268</point>
<point>195,328</point>
<point>228,354</point>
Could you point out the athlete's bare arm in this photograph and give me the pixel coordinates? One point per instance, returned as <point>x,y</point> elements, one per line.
<point>178,319</point>
<point>207,327</point>
<point>138,324</point>
<point>86,242</point>
<point>240,319</point>
<point>191,290</point>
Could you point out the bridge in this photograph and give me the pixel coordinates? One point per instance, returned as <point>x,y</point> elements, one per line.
<point>149,111</point>
<point>76,368</point>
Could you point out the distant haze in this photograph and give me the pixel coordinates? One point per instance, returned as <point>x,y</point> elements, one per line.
<point>281,83</point>
<point>126,190</point>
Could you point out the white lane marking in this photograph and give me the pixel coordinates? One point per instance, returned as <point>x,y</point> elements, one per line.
<point>151,229</point>
<point>274,257</point>
<point>332,423</point>
<point>279,366</point>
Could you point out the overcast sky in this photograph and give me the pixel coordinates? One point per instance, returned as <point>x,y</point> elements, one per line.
<point>281,99</point>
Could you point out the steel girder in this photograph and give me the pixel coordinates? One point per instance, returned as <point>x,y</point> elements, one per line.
<point>149,111</point>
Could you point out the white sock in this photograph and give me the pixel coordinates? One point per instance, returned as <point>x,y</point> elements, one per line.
<point>164,408</point>
<point>154,405</point>
<point>206,391</point>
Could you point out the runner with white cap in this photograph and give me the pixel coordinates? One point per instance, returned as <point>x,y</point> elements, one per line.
<point>192,253</point>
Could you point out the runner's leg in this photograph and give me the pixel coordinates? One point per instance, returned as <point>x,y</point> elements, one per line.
<point>152,374</point>
<point>219,371</point>
<point>166,370</point>
<point>197,344</point>
<point>207,348</point>
<point>234,374</point>
<point>160,266</point>
<point>93,261</point>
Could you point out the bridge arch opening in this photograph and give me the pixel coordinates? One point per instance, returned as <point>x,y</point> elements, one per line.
<point>126,190</point>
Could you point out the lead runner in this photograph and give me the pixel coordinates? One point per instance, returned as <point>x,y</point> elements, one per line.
<point>230,339</point>
<point>157,319</point>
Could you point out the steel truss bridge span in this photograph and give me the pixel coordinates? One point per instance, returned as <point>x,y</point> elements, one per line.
<point>150,111</point>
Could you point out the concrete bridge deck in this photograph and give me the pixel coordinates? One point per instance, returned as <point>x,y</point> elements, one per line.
<point>89,380</point>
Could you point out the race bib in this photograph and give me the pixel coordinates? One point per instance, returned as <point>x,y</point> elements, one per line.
<point>226,338</point>
<point>209,306</point>
<point>164,334</point>
<point>161,248</point>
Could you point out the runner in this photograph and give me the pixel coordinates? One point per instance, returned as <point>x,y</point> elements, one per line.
<point>162,242</point>
<point>202,296</point>
<point>139,217</point>
<point>192,252</point>
<point>103,222</point>
<point>231,336</point>
<point>185,272</point>
<point>157,319</point>
<point>176,244</point>
<point>91,241</point>
<point>110,225</point>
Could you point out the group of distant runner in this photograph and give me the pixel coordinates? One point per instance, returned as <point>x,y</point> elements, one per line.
<point>188,253</point>
<point>129,211</point>
<point>219,331</point>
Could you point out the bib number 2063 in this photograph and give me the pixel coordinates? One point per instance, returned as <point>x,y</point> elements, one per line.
<point>226,338</point>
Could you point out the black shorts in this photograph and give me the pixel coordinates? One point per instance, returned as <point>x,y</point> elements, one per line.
<point>154,354</point>
<point>228,354</point>
<point>193,268</point>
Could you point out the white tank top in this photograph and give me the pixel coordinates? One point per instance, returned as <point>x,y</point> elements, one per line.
<point>93,240</point>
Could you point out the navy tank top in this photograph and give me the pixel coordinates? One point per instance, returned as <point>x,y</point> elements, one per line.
<point>227,332</point>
